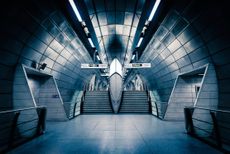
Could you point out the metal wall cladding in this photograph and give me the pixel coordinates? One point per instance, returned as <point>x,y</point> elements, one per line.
<point>46,94</point>
<point>42,35</point>
<point>185,92</point>
<point>192,38</point>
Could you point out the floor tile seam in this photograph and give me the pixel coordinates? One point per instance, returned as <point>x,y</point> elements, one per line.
<point>96,125</point>
<point>142,137</point>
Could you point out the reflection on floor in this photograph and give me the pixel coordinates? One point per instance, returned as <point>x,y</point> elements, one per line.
<point>115,134</point>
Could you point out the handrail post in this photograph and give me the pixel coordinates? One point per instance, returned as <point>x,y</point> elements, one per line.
<point>74,109</point>
<point>157,109</point>
<point>216,129</point>
<point>41,120</point>
<point>14,126</point>
<point>188,120</point>
<point>82,101</point>
<point>110,103</point>
<point>149,101</point>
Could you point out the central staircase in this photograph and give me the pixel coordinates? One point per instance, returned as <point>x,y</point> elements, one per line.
<point>97,102</point>
<point>134,102</point>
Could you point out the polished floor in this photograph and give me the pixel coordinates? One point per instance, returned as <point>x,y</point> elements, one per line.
<point>118,134</point>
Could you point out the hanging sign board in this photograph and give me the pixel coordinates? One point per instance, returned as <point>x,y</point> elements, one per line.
<point>99,66</point>
<point>104,74</point>
<point>138,65</point>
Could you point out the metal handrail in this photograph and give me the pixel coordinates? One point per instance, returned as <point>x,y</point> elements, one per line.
<point>157,104</point>
<point>214,122</point>
<point>82,100</point>
<point>22,109</point>
<point>110,101</point>
<point>208,109</point>
<point>150,102</point>
<point>13,137</point>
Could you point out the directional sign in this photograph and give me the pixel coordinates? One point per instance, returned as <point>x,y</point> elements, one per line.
<point>104,74</point>
<point>99,66</point>
<point>138,65</point>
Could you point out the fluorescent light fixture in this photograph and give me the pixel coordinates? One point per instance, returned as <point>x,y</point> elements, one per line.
<point>140,41</point>
<point>91,42</point>
<point>133,57</point>
<point>75,10</point>
<point>98,58</point>
<point>154,10</point>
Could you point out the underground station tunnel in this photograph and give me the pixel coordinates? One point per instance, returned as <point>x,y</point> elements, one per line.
<point>115,76</point>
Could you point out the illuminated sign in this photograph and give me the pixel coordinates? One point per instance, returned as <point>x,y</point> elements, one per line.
<point>138,65</point>
<point>104,74</point>
<point>99,66</point>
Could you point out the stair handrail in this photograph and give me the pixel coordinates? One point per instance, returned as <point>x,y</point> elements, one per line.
<point>82,100</point>
<point>156,106</point>
<point>122,97</point>
<point>149,100</point>
<point>110,102</point>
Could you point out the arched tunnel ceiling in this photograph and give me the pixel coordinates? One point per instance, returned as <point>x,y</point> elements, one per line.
<point>115,23</point>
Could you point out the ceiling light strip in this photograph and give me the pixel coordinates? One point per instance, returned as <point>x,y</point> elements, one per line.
<point>91,42</point>
<point>140,41</point>
<point>157,3</point>
<point>75,10</point>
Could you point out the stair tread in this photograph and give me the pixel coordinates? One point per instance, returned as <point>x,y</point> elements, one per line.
<point>134,102</point>
<point>97,102</point>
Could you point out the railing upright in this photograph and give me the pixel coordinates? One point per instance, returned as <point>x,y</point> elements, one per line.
<point>15,132</point>
<point>206,125</point>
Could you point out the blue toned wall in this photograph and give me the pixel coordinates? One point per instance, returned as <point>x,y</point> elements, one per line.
<point>189,37</point>
<point>39,32</point>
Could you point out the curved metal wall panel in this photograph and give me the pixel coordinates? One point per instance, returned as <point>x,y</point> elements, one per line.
<point>188,38</point>
<point>40,33</point>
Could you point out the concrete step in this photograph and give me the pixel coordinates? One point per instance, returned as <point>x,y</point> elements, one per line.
<point>97,102</point>
<point>134,111</point>
<point>85,108</point>
<point>134,102</point>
